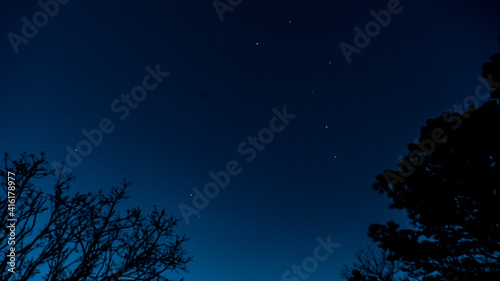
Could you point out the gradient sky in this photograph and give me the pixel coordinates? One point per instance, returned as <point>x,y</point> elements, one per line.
<point>225,78</point>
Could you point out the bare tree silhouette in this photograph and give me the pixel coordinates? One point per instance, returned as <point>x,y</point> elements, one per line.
<point>371,264</point>
<point>62,236</point>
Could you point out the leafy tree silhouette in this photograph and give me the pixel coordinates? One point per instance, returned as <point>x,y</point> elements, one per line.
<point>83,236</point>
<point>451,195</point>
<point>491,71</point>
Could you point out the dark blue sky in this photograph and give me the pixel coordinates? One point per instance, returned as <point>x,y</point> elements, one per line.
<point>313,179</point>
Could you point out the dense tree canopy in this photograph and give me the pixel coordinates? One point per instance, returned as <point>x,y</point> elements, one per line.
<point>491,71</point>
<point>449,185</point>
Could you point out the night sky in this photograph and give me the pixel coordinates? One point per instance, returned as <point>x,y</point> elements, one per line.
<point>169,92</point>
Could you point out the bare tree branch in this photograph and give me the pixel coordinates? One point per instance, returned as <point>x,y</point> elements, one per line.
<point>83,236</point>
